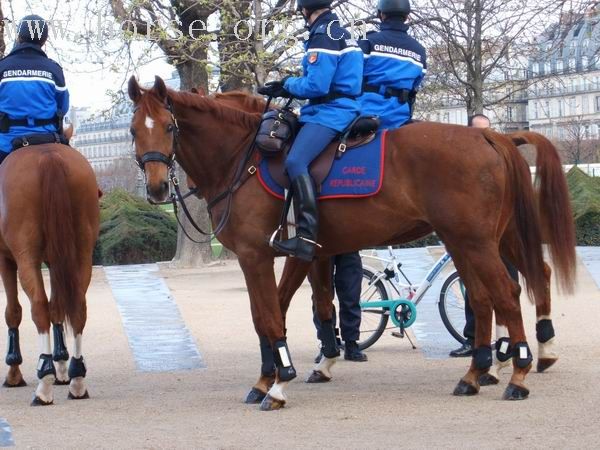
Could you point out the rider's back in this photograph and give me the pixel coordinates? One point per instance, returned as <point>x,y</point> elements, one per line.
<point>32,92</point>
<point>395,60</point>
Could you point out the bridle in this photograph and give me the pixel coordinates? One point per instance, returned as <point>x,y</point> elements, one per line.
<point>178,197</point>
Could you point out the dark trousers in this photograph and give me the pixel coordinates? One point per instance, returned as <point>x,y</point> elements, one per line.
<point>347,280</point>
<point>469,331</point>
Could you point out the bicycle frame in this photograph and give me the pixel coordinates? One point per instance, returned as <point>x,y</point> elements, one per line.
<point>417,290</point>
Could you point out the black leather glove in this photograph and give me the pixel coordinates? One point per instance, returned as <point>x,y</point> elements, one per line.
<point>274,89</point>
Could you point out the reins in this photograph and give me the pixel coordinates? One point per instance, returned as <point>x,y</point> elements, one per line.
<point>237,181</point>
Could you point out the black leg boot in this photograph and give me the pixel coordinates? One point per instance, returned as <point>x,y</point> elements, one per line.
<point>303,244</point>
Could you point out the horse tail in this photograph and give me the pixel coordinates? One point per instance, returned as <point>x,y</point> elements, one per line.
<point>522,197</point>
<point>58,225</point>
<point>556,216</point>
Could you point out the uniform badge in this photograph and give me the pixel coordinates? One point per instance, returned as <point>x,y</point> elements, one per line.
<point>312,57</point>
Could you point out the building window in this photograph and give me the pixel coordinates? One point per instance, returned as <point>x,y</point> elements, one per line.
<point>536,112</point>
<point>597,103</point>
<point>572,106</point>
<point>571,64</point>
<point>561,107</point>
<point>559,65</point>
<point>509,113</point>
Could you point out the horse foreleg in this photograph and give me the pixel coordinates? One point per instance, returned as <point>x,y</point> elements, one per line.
<point>268,322</point>
<point>321,281</point>
<point>33,285</point>
<point>294,273</point>
<point>547,351</point>
<point>13,316</point>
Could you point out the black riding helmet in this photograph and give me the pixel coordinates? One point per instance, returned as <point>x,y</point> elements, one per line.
<point>394,7</point>
<point>33,29</point>
<point>313,5</point>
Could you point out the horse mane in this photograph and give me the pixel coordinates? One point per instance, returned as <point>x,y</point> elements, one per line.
<point>152,105</point>
<point>245,100</point>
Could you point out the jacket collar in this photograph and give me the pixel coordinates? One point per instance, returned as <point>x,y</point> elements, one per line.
<point>27,46</point>
<point>325,18</point>
<point>394,24</point>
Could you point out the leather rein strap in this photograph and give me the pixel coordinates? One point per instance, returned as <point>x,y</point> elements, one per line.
<point>240,177</point>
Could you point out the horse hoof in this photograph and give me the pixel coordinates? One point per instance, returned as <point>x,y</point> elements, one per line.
<point>545,363</point>
<point>20,383</point>
<point>463,389</point>
<point>83,397</point>
<point>487,379</point>
<point>271,404</point>
<point>39,402</point>
<point>61,383</point>
<point>514,392</point>
<point>254,397</point>
<point>317,377</point>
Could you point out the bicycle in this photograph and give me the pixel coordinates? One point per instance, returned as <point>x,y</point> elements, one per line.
<point>385,296</point>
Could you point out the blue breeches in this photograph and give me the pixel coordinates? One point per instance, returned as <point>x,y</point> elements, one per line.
<point>311,141</point>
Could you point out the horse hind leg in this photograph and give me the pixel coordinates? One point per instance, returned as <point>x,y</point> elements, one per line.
<point>322,286</point>
<point>547,351</point>
<point>31,280</point>
<point>13,316</point>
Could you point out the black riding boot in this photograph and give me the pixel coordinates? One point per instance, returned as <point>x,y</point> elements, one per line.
<point>303,244</point>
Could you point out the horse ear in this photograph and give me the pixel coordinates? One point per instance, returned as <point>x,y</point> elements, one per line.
<point>194,91</point>
<point>160,88</point>
<point>133,89</point>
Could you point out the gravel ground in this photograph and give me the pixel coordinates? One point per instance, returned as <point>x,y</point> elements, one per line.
<point>398,398</point>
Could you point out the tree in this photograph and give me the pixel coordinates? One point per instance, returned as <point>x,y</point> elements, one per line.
<point>478,49</point>
<point>577,147</point>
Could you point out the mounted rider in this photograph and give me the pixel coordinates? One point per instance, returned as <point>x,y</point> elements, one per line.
<point>331,81</point>
<point>33,94</point>
<point>395,64</point>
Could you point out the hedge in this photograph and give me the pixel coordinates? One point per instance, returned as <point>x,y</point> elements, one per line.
<point>133,231</point>
<point>585,198</point>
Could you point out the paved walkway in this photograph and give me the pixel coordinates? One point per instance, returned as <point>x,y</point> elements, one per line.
<point>158,337</point>
<point>591,258</point>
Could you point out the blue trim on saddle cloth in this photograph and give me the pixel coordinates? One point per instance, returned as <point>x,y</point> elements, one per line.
<point>358,173</point>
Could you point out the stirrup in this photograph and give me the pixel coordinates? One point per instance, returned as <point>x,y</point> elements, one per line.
<point>316,244</point>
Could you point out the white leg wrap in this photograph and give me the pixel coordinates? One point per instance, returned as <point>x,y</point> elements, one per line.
<point>276,390</point>
<point>62,370</point>
<point>501,331</point>
<point>77,387</point>
<point>325,365</point>
<point>544,318</point>
<point>548,350</point>
<point>44,389</point>
<point>77,346</point>
<point>45,346</point>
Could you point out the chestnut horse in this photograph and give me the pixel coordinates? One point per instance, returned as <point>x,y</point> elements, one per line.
<point>550,204</point>
<point>462,183</point>
<point>49,213</point>
<point>547,162</point>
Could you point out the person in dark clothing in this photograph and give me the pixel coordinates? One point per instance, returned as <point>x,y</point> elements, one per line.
<point>33,94</point>
<point>347,278</point>
<point>476,121</point>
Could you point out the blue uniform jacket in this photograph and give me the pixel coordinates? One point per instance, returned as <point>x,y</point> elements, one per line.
<point>333,63</point>
<point>392,59</point>
<point>32,86</point>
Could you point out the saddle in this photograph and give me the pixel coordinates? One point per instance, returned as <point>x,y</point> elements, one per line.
<point>360,132</point>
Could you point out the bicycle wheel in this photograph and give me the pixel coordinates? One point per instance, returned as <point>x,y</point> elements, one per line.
<point>452,306</point>
<point>373,320</point>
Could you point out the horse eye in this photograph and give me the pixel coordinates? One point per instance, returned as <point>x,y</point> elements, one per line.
<point>170,128</point>
<point>132,131</point>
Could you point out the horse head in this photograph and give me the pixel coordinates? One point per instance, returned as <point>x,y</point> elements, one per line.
<point>153,129</point>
